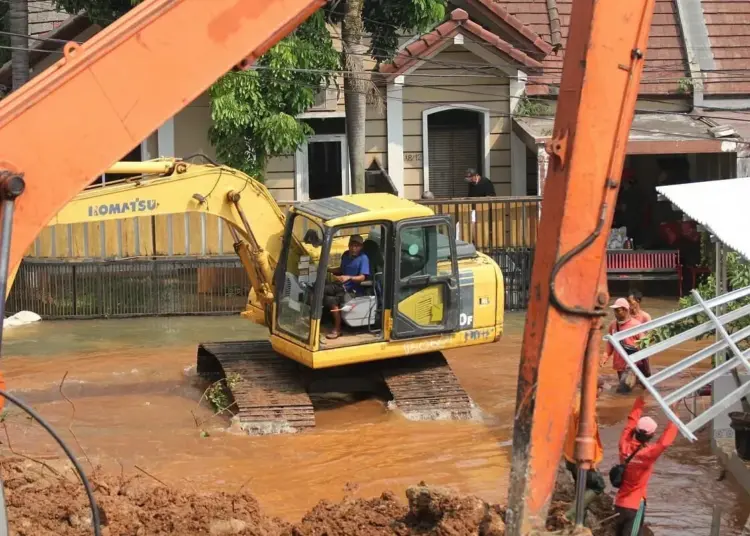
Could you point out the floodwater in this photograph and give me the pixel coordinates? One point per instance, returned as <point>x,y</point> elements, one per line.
<point>134,406</point>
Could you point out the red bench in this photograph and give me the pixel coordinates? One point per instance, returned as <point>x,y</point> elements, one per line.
<point>641,265</point>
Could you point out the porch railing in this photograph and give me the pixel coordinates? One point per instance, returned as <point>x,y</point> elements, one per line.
<point>185,263</point>
<point>489,223</point>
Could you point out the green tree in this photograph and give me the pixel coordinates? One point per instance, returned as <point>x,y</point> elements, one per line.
<point>255,112</point>
<point>383,20</point>
<point>738,276</point>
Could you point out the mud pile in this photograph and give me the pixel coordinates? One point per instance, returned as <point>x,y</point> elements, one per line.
<point>42,502</point>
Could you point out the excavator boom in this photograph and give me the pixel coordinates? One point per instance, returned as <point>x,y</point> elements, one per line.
<point>72,121</point>
<point>599,88</point>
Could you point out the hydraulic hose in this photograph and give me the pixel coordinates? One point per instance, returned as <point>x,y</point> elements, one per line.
<point>90,494</point>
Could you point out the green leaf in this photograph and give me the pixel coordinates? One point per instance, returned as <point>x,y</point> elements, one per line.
<point>254,112</point>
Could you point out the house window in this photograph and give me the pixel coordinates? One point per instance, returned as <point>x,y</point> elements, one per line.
<point>326,100</point>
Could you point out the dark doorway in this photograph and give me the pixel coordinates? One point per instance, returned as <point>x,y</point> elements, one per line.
<point>324,169</point>
<point>454,145</point>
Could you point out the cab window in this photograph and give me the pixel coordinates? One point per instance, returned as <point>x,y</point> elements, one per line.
<point>294,312</point>
<point>421,251</point>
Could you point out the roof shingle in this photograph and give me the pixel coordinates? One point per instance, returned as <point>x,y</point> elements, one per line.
<point>728,24</point>
<point>458,22</point>
<point>666,61</point>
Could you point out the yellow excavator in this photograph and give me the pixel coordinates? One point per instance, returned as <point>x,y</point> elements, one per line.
<point>427,291</point>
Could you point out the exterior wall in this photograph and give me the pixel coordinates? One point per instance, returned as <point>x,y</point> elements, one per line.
<point>191,127</point>
<point>281,171</point>
<point>451,85</point>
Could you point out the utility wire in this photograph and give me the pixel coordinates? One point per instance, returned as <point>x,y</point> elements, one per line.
<point>483,101</point>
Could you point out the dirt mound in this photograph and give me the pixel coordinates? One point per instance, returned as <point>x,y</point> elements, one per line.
<point>431,511</point>
<point>41,502</point>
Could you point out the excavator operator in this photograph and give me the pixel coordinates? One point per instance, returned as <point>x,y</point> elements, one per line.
<point>347,280</point>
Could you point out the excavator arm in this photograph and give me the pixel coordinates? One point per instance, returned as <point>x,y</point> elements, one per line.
<point>600,81</point>
<point>72,121</point>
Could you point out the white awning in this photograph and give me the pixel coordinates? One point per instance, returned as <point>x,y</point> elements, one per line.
<point>722,207</point>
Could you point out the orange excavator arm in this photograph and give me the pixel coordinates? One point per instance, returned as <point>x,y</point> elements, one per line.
<point>72,121</point>
<point>598,92</point>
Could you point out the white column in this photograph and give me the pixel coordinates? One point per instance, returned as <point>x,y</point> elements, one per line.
<point>516,88</point>
<point>542,160</point>
<point>395,121</point>
<point>517,165</point>
<point>145,152</point>
<point>165,137</point>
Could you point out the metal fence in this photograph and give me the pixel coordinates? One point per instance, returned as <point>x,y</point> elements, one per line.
<point>57,289</point>
<point>515,264</point>
<point>488,222</point>
<point>60,289</point>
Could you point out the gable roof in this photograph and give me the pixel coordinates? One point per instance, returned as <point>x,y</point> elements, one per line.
<point>500,21</point>
<point>458,23</point>
<point>666,59</point>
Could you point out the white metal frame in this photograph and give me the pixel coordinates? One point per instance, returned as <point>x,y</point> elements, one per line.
<point>486,145</point>
<point>724,341</point>
<point>302,170</point>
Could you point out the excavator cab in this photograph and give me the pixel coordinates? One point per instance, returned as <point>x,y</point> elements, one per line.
<point>415,298</point>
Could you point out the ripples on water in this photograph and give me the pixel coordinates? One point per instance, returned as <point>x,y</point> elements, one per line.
<point>136,405</point>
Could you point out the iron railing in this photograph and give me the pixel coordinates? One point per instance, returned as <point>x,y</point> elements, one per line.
<point>59,289</point>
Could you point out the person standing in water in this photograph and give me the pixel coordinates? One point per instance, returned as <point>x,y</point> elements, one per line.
<point>634,299</point>
<point>622,321</point>
<point>639,458</point>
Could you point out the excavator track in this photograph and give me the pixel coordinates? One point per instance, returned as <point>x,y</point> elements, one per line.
<point>269,393</point>
<point>425,388</point>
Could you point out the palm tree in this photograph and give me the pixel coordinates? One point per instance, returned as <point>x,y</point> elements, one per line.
<point>355,90</point>
<point>19,29</point>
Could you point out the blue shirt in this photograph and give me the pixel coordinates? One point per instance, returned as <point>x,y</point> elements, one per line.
<point>353,266</point>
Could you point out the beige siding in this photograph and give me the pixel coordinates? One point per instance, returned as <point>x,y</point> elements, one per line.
<point>280,171</point>
<point>279,177</point>
<point>376,135</point>
<point>455,76</point>
<point>191,127</point>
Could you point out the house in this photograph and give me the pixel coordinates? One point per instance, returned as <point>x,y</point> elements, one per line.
<point>479,91</point>
<point>445,106</point>
<point>692,93</point>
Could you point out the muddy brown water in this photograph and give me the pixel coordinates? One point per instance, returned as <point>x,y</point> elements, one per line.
<point>135,403</point>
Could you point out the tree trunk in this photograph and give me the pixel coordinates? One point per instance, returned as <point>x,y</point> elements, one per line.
<point>355,91</point>
<point>19,25</point>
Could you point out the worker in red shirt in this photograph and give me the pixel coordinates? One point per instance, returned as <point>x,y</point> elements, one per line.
<point>623,320</point>
<point>635,438</point>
